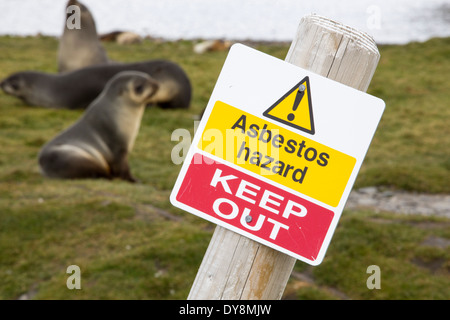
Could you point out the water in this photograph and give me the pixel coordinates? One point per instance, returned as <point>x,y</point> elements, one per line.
<point>388,21</point>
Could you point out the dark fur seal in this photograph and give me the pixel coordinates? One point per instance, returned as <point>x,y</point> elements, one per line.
<point>97,145</point>
<point>79,48</point>
<point>77,89</point>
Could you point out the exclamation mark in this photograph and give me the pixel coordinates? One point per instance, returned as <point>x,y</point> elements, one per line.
<point>298,98</point>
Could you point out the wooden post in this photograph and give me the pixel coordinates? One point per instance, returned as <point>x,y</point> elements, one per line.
<point>235,267</point>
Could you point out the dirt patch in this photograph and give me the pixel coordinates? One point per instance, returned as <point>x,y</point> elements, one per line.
<point>399,202</point>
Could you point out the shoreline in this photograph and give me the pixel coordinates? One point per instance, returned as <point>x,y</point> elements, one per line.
<point>253,42</point>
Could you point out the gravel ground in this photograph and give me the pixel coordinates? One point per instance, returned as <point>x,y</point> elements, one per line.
<point>400,202</point>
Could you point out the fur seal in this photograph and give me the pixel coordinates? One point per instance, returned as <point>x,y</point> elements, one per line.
<point>77,89</point>
<point>121,37</point>
<point>97,145</point>
<point>212,45</point>
<point>81,47</point>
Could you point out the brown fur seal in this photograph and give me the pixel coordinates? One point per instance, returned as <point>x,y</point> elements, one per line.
<point>77,89</point>
<point>97,145</point>
<point>81,47</point>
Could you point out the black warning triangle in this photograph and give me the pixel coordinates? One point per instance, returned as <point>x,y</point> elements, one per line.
<point>295,108</point>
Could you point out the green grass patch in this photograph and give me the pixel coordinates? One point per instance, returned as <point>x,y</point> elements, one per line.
<point>130,243</point>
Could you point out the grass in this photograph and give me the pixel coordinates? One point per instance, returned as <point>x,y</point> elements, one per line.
<point>396,245</point>
<point>130,243</point>
<point>411,149</point>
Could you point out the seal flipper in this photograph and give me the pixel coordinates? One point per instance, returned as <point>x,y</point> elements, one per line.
<point>122,171</point>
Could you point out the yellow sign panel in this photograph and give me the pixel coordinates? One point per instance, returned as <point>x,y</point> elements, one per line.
<point>295,108</point>
<point>278,154</point>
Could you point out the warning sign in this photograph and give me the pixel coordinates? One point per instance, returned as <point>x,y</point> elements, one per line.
<point>276,153</point>
<point>294,108</point>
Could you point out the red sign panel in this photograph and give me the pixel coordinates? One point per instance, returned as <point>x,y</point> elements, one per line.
<point>228,196</point>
